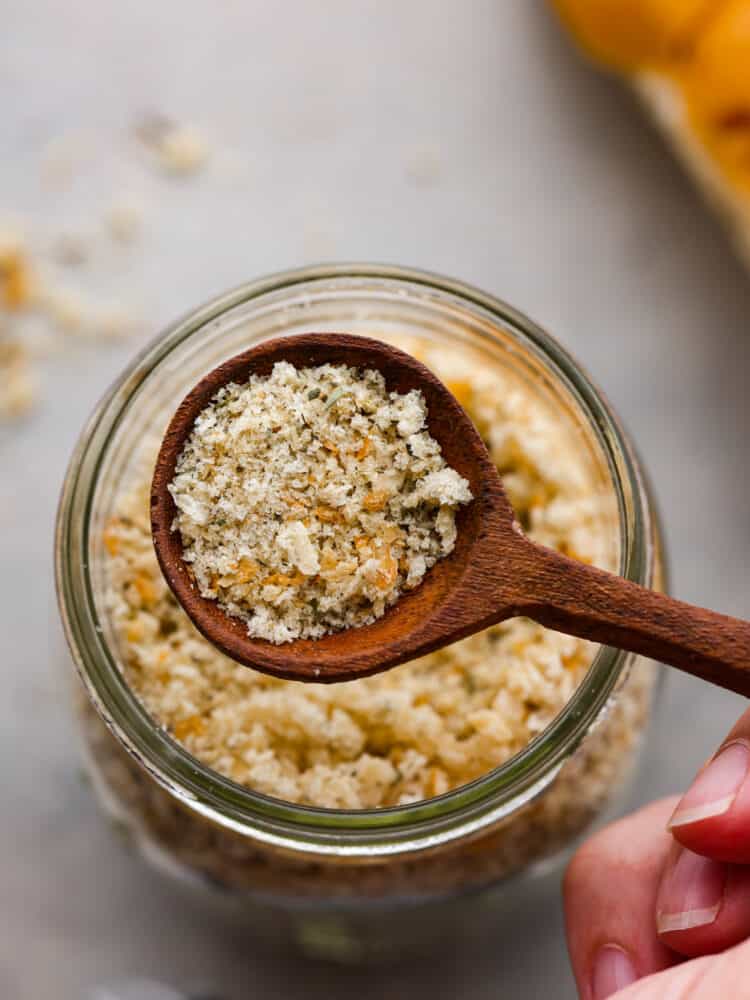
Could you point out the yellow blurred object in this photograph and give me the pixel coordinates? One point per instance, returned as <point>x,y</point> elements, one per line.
<point>689,61</point>
<point>716,85</point>
<point>631,34</point>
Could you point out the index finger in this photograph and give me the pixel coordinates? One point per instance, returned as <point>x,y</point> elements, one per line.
<point>713,817</point>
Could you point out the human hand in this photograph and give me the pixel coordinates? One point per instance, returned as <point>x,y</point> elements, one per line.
<point>670,882</point>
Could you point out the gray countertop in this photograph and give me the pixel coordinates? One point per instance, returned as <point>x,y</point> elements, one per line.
<point>463,137</point>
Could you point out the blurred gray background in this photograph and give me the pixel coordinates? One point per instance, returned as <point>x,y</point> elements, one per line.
<point>465,137</point>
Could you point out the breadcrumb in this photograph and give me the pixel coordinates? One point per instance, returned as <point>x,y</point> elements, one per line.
<point>17,383</point>
<point>179,149</point>
<point>327,483</point>
<point>124,220</point>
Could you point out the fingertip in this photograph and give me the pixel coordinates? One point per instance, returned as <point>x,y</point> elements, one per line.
<point>612,971</point>
<point>689,816</point>
<point>717,805</point>
<point>703,906</point>
<point>691,892</point>
<point>722,838</point>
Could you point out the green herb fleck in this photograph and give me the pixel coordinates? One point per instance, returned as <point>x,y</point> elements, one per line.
<point>313,394</point>
<point>336,396</point>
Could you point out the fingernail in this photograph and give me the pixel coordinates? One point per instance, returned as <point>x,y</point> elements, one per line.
<point>690,894</point>
<point>715,789</point>
<point>612,971</point>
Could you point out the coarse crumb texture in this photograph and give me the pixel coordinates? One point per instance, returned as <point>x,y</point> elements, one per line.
<point>308,500</point>
<point>183,844</point>
<point>409,733</point>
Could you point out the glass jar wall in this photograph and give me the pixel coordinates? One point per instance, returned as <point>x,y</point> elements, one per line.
<point>343,882</point>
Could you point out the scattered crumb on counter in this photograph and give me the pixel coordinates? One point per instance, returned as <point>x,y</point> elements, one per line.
<point>18,390</point>
<point>16,283</point>
<point>178,148</point>
<point>124,220</point>
<point>76,314</point>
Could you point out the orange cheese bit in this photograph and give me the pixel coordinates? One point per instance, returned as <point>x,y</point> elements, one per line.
<point>134,632</point>
<point>328,515</point>
<point>391,533</point>
<point>295,501</point>
<point>145,587</point>
<point>111,538</point>
<point>244,571</point>
<point>462,390</point>
<point>327,560</point>
<point>567,550</point>
<point>340,570</point>
<point>570,662</point>
<point>282,580</point>
<point>387,574</point>
<point>193,725</point>
<point>376,500</point>
<point>364,449</point>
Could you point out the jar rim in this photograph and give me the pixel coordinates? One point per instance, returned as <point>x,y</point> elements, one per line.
<point>368,832</point>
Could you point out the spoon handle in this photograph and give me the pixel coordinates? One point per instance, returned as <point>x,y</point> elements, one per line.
<point>581,600</point>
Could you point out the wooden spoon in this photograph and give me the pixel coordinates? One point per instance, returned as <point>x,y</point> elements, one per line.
<point>495,572</point>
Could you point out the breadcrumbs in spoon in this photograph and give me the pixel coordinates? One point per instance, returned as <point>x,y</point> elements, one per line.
<point>309,500</point>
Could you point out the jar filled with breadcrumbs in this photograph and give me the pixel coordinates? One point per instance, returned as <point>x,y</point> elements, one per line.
<point>369,818</point>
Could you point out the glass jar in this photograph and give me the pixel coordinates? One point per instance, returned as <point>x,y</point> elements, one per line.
<point>345,884</point>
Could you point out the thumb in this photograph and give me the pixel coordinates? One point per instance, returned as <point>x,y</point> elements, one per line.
<point>723,975</point>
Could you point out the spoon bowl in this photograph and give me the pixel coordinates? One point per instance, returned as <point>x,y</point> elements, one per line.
<point>415,624</point>
<point>494,572</point>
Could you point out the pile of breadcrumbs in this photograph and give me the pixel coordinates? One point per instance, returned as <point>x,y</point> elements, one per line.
<point>409,733</point>
<point>308,500</point>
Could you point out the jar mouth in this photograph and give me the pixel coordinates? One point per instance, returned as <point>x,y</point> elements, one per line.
<point>373,832</point>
